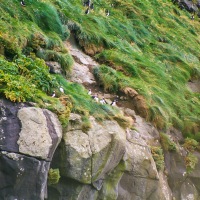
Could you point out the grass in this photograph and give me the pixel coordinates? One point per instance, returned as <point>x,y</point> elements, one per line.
<point>150,46</point>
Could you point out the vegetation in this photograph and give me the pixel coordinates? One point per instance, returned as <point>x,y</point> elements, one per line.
<point>190,144</point>
<point>53,176</point>
<point>190,161</point>
<point>167,143</point>
<point>145,45</point>
<point>158,157</point>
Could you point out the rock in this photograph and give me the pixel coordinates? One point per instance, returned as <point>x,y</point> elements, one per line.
<point>130,92</point>
<point>54,67</point>
<point>140,179</point>
<point>71,189</point>
<point>194,85</point>
<point>22,177</point>
<point>40,133</point>
<point>81,74</point>
<point>87,158</point>
<point>78,55</point>
<point>188,191</point>
<point>189,6</point>
<point>27,145</point>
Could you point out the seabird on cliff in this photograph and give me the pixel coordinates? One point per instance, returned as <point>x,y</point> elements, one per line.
<point>113,103</point>
<point>95,97</point>
<point>22,3</point>
<point>92,6</point>
<point>89,91</point>
<point>87,11</point>
<point>61,89</point>
<point>107,13</point>
<point>54,94</point>
<point>103,101</point>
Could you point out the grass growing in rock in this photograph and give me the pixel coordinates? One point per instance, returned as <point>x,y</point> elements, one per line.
<point>158,157</point>
<point>167,143</point>
<point>142,44</point>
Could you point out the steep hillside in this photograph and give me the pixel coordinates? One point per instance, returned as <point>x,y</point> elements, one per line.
<point>143,54</point>
<point>150,46</point>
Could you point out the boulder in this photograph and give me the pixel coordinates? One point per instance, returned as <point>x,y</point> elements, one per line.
<point>54,67</point>
<point>88,157</point>
<point>22,177</point>
<point>189,5</point>
<point>40,132</point>
<point>81,74</point>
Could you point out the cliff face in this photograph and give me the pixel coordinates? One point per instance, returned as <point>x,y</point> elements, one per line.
<point>106,162</point>
<point>28,139</point>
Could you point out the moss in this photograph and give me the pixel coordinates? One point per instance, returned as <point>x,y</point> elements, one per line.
<point>111,181</point>
<point>158,157</point>
<point>53,176</point>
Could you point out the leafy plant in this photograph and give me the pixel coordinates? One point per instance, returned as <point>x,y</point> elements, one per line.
<point>53,176</point>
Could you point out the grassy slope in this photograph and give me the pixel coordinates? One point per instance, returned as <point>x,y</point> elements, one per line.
<point>150,46</point>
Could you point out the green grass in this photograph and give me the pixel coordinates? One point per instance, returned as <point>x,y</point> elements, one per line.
<point>150,46</point>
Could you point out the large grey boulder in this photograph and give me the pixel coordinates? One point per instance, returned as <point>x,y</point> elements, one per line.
<point>40,133</point>
<point>88,157</point>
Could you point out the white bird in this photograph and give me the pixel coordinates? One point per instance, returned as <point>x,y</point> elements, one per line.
<point>89,92</point>
<point>107,13</point>
<point>96,98</point>
<point>102,101</point>
<point>61,89</point>
<point>22,3</point>
<point>54,94</point>
<point>113,103</point>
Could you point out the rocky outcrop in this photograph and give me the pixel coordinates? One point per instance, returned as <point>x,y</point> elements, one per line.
<point>28,139</point>
<point>81,70</point>
<point>54,67</point>
<point>107,162</point>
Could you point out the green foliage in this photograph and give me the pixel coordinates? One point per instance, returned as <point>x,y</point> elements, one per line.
<point>86,124</point>
<point>53,176</point>
<point>143,45</point>
<point>158,157</point>
<point>167,143</point>
<point>190,161</point>
<point>190,144</point>
<point>66,61</point>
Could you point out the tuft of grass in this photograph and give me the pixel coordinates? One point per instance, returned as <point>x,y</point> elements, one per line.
<point>158,157</point>
<point>190,161</point>
<point>190,144</point>
<point>166,143</point>
<point>151,47</point>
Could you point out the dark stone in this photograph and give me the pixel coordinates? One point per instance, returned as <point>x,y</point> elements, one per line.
<point>10,125</point>
<point>189,6</point>
<point>22,177</point>
<point>70,189</point>
<point>52,133</point>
